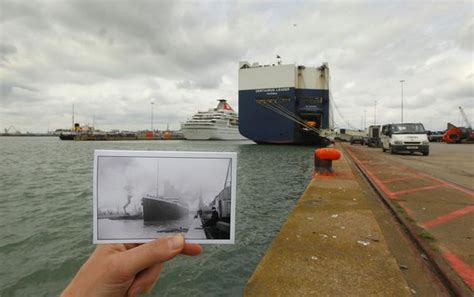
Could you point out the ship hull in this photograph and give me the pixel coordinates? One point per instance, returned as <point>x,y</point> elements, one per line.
<point>212,133</point>
<point>66,136</point>
<point>264,126</point>
<point>284,104</point>
<point>158,210</point>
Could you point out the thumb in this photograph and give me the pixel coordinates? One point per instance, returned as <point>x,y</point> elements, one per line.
<point>151,253</point>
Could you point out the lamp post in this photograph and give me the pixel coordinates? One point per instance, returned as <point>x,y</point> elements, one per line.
<point>365,118</point>
<point>375,112</point>
<point>152,103</point>
<point>401,84</point>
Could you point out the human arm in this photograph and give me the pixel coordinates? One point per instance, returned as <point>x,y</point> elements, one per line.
<point>126,269</point>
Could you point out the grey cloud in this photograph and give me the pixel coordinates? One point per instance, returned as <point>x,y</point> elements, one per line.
<point>11,92</point>
<point>466,36</point>
<point>111,58</point>
<point>7,50</point>
<point>210,83</point>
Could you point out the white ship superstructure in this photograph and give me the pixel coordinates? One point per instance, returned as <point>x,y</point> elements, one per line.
<point>220,123</point>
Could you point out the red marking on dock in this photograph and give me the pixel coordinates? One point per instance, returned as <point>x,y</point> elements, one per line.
<point>373,177</point>
<point>401,178</point>
<point>465,271</point>
<point>451,185</point>
<point>388,169</point>
<point>418,189</point>
<point>447,217</point>
<point>407,209</point>
<point>324,175</point>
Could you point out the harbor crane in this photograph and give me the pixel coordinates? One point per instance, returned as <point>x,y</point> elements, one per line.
<point>11,128</point>
<point>457,134</point>
<point>464,117</point>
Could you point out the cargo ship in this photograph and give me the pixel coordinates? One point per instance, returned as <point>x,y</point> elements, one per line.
<point>285,104</point>
<point>220,123</point>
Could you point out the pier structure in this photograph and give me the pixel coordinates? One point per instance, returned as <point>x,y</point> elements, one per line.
<point>196,230</point>
<point>331,245</point>
<point>380,225</point>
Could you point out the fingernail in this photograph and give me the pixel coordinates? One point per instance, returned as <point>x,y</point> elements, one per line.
<point>176,242</point>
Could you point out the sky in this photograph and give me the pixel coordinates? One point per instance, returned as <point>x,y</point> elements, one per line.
<point>190,178</point>
<point>112,59</point>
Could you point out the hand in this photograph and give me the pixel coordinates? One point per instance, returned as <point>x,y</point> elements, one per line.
<point>127,269</point>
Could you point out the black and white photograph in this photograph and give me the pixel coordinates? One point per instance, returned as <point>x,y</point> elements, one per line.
<point>143,195</point>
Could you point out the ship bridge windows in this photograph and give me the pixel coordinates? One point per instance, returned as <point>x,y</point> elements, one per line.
<point>273,100</point>
<point>310,101</point>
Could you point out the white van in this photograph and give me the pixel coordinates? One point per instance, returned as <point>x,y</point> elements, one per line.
<point>405,137</point>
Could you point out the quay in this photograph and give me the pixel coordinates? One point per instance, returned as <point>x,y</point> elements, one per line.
<point>347,237</point>
<point>196,231</point>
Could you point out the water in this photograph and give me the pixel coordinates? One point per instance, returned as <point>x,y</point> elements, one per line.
<point>116,229</point>
<point>46,214</point>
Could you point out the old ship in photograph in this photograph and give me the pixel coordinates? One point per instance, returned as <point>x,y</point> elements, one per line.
<point>220,123</point>
<point>284,104</point>
<point>160,208</point>
<point>168,206</point>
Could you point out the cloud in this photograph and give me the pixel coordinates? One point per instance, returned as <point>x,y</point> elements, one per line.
<point>112,58</point>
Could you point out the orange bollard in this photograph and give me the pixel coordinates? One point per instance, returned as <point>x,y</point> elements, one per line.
<point>323,160</point>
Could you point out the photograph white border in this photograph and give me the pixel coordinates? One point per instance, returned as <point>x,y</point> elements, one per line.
<point>177,154</point>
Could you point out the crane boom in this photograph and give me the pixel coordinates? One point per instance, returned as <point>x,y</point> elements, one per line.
<point>464,116</point>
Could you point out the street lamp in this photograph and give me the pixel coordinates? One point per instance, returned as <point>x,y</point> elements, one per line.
<point>365,118</point>
<point>401,84</point>
<point>375,112</point>
<point>152,103</point>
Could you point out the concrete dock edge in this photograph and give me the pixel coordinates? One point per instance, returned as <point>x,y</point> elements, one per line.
<point>438,264</point>
<point>331,244</point>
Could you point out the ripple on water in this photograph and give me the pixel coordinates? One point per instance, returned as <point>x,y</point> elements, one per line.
<point>46,214</point>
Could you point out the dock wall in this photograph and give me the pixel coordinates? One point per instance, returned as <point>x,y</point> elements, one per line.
<point>330,245</point>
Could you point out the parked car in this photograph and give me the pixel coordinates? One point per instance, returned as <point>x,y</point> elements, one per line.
<point>366,140</point>
<point>357,139</point>
<point>435,136</point>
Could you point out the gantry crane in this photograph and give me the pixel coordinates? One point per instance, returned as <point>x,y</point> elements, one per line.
<point>457,134</point>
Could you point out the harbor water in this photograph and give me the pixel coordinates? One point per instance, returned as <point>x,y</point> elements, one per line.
<point>46,213</point>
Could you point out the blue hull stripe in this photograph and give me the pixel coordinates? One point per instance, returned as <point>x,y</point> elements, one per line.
<point>265,126</point>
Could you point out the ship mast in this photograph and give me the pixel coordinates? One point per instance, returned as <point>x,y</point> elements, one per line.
<point>157,176</point>
<point>227,175</point>
<point>72,129</point>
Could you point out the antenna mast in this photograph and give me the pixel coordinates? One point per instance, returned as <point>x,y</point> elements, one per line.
<point>72,118</point>
<point>157,175</point>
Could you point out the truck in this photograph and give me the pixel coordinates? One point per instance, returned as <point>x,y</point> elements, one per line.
<point>373,139</point>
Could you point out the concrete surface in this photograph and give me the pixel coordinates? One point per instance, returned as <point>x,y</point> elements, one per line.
<point>451,162</point>
<point>196,231</point>
<point>331,245</point>
<point>441,212</point>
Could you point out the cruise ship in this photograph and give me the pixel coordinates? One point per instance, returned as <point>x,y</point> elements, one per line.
<point>220,123</point>
<point>285,104</point>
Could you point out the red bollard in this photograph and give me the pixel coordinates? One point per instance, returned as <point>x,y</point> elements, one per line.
<point>323,160</point>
